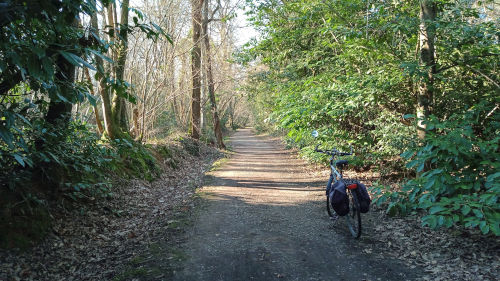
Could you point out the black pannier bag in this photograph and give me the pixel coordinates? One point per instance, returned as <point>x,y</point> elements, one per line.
<point>363,198</point>
<point>339,199</point>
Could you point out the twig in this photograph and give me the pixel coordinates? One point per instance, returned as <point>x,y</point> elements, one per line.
<point>484,75</point>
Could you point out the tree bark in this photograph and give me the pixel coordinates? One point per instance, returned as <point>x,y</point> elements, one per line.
<point>210,80</point>
<point>65,77</point>
<point>118,109</point>
<point>135,118</point>
<point>103,90</point>
<point>196,7</point>
<point>427,34</point>
<point>96,111</point>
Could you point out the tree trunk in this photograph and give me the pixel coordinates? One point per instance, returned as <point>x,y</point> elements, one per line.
<point>428,11</point>
<point>96,111</point>
<point>103,91</point>
<point>65,76</point>
<point>196,6</point>
<point>210,80</point>
<point>135,118</point>
<point>118,109</point>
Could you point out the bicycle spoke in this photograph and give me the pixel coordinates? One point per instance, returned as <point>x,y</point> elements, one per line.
<point>353,219</point>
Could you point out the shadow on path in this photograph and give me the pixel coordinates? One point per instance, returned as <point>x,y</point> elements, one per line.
<point>264,219</point>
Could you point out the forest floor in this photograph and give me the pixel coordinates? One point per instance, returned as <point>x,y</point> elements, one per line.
<point>105,239</point>
<point>260,215</point>
<point>264,218</point>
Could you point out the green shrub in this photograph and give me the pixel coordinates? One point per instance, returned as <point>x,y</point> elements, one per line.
<point>135,160</point>
<point>190,145</point>
<point>45,162</point>
<point>459,181</point>
<point>56,159</point>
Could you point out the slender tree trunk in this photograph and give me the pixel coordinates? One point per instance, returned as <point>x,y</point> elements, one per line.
<point>96,111</point>
<point>135,118</point>
<point>427,34</point>
<point>203,94</point>
<point>143,126</point>
<point>195,69</point>
<point>210,80</point>
<point>111,25</point>
<point>118,109</point>
<point>103,91</point>
<point>183,110</point>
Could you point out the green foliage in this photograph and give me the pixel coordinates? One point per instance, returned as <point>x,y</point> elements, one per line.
<point>135,160</point>
<point>328,72</point>
<point>77,163</point>
<point>459,182</point>
<point>190,145</point>
<point>351,70</point>
<point>37,42</point>
<point>57,158</point>
<point>44,152</point>
<point>49,162</point>
<point>60,161</point>
<point>169,155</point>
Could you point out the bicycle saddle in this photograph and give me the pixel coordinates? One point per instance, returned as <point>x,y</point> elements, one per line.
<point>342,163</point>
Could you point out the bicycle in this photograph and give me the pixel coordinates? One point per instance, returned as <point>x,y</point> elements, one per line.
<point>353,218</point>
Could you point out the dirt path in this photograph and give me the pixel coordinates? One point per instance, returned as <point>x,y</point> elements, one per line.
<point>264,219</point>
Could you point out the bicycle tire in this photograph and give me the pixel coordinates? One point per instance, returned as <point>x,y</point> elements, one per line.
<point>353,219</point>
<point>329,208</point>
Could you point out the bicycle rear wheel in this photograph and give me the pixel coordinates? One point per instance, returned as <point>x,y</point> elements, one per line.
<point>354,217</point>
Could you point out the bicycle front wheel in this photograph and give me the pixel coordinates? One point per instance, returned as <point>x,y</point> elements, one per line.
<point>354,217</point>
<point>329,209</point>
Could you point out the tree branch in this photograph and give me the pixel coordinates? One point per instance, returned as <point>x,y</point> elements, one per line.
<point>464,62</point>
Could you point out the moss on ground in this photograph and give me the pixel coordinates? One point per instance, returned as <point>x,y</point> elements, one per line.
<point>217,164</point>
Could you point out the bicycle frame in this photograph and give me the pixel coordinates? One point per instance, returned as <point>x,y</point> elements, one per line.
<point>338,175</point>
<point>353,219</point>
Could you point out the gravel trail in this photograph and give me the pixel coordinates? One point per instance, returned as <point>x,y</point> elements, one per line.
<point>264,218</point>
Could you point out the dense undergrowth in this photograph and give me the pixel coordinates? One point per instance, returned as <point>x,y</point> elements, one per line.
<point>54,145</point>
<point>353,72</point>
<point>46,151</point>
<point>71,164</point>
<point>459,174</point>
<point>452,178</point>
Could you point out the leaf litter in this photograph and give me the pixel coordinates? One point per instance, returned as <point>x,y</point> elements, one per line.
<point>443,254</point>
<point>97,240</point>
